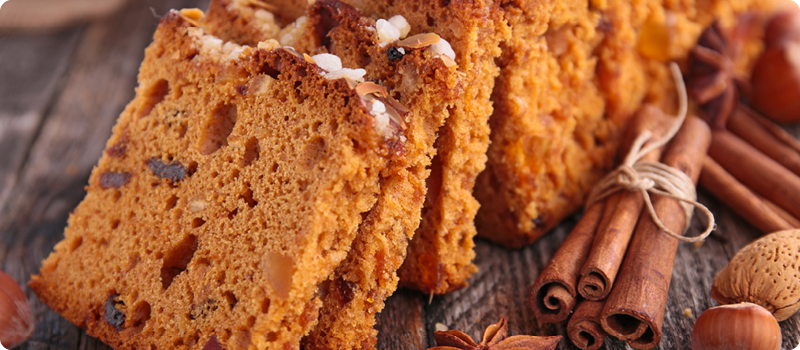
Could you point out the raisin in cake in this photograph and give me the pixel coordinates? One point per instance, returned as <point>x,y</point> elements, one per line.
<point>427,83</point>
<point>233,184</point>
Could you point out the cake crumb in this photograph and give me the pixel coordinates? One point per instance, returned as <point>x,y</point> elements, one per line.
<point>440,327</point>
<point>688,312</point>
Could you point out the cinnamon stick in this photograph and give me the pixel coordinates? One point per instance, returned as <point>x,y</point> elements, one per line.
<point>757,171</point>
<point>552,296</point>
<point>775,129</point>
<point>584,327</point>
<point>619,220</point>
<point>793,221</point>
<point>739,198</point>
<point>749,129</point>
<point>634,311</point>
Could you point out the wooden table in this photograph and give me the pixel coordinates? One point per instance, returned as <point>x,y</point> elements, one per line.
<point>60,94</point>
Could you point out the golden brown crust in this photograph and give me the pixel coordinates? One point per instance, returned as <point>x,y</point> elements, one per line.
<point>230,188</point>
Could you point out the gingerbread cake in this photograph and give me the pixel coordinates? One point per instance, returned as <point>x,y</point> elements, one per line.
<point>571,77</point>
<point>232,186</point>
<point>440,255</point>
<point>425,80</point>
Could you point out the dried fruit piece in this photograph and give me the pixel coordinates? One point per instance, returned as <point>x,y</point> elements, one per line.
<point>345,291</point>
<point>173,171</point>
<point>764,272</point>
<point>394,54</point>
<point>113,179</point>
<point>112,314</point>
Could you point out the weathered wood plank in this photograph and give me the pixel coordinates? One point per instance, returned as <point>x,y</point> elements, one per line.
<point>32,67</point>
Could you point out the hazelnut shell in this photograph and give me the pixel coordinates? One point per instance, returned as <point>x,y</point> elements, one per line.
<point>776,82</point>
<point>765,272</point>
<point>742,326</point>
<point>16,319</point>
<point>784,25</point>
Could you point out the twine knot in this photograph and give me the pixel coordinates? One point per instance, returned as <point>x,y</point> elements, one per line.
<point>655,177</point>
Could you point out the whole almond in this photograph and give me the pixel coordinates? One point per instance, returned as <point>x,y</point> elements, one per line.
<point>765,272</point>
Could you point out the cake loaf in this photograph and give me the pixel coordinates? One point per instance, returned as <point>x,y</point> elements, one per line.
<point>232,186</point>
<point>428,84</point>
<point>571,75</point>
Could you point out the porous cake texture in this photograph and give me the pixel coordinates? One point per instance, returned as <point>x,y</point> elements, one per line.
<point>424,81</point>
<point>429,85</point>
<point>571,76</point>
<point>232,186</point>
<point>440,255</point>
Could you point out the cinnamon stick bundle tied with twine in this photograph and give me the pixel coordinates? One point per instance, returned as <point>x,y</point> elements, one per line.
<point>658,178</point>
<point>553,295</point>
<point>634,311</point>
<point>628,187</point>
<point>592,260</point>
<point>622,212</point>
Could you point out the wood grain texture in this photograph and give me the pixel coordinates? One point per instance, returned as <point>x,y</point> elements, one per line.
<point>60,94</point>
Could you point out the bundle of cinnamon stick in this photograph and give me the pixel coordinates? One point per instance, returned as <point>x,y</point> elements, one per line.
<point>754,168</point>
<point>616,264</point>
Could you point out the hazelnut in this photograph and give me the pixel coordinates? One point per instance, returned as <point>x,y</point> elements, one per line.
<point>744,326</point>
<point>776,82</point>
<point>16,319</point>
<point>785,25</point>
<point>765,272</point>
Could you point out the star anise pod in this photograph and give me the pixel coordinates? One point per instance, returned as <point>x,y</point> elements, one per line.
<point>714,81</point>
<point>494,338</point>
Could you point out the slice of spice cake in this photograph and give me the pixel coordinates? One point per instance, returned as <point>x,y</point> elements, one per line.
<point>440,255</point>
<point>572,75</point>
<point>424,77</point>
<point>233,184</point>
<point>427,83</point>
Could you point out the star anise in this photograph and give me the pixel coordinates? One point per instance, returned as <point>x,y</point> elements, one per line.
<point>494,338</point>
<point>714,81</point>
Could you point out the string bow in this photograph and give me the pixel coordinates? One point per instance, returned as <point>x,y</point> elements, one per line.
<point>648,177</point>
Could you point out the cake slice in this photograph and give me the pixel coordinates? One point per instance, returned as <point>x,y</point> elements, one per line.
<point>440,255</point>
<point>427,83</point>
<point>232,186</point>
